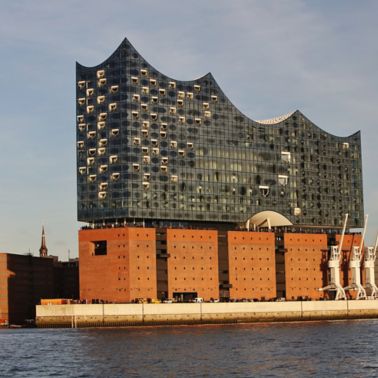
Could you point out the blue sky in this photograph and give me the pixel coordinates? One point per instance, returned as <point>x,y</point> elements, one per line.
<point>270,57</point>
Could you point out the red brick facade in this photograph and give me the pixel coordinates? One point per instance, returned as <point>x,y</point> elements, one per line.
<point>252,272</point>
<point>306,259</point>
<point>128,269</point>
<point>193,262</point>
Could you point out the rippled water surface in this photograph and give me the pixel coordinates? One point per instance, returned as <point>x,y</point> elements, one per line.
<point>321,349</point>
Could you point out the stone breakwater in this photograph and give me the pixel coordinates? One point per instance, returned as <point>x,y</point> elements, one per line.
<point>110,315</point>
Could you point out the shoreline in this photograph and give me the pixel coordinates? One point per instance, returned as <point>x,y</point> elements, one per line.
<point>127,315</point>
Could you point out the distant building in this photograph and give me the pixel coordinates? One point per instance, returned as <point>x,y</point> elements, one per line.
<point>171,178</point>
<point>25,280</point>
<point>68,272</point>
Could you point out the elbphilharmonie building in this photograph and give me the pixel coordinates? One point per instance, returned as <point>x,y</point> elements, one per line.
<point>155,149</point>
<point>184,196</point>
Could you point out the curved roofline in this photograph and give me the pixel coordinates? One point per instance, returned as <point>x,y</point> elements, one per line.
<point>274,120</point>
<point>267,122</point>
<point>278,120</point>
<point>324,131</point>
<point>125,42</point>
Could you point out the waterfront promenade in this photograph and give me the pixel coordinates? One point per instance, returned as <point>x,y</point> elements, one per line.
<point>95,315</point>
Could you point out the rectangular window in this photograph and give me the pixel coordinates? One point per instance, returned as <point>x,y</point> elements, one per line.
<point>100,247</point>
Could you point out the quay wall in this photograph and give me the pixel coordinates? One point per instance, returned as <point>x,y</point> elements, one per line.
<point>97,315</point>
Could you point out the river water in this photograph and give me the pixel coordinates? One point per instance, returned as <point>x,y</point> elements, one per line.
<point>319,349</point>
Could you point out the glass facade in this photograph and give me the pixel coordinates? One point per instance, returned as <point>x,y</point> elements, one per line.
<point>153,148</point>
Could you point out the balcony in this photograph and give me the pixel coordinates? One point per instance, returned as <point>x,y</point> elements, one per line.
<point>112,107</point>
<point>100,99</point>
<point>81,84</point>
<point>114,132</point>
<point>115,176</point>
<point>103,168</point>
<point>102,142</point>
<point>100,74</point>
<point>113,159</point>
<point>103,186</point>
<point>100,125</point>
<point>102,116</point>
<point>91,134</point>
<point>101,151</point>
<point>102,195</point>
<point>101,82</point>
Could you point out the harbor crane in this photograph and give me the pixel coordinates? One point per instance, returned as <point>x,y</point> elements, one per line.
<point>334,267</point>
<point>369,264</point>
<point>355,267</point>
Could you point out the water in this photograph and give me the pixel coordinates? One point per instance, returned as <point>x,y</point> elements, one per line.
<point>319,349</point>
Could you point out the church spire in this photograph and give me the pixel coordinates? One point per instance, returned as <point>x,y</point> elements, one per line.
<point>43,250</point>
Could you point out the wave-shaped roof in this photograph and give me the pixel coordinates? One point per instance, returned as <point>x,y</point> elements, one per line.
<point>125,44</point>
<point>285,164</point>
<point>272,121</point>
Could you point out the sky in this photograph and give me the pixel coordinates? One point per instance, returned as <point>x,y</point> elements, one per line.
<point>270,57</point>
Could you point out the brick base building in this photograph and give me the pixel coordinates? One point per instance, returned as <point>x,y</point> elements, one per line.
<point>123,264</point>
<point>117,264</point>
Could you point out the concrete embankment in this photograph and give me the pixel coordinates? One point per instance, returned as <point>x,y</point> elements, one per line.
<point>97,315</point>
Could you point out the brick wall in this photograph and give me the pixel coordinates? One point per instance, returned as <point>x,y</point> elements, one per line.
<point>252,265</point>
<point>193,262</point>
<point>306,258</point>
<point>128,269</point>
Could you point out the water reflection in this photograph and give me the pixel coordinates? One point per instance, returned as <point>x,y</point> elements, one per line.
<point>345,348</point>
